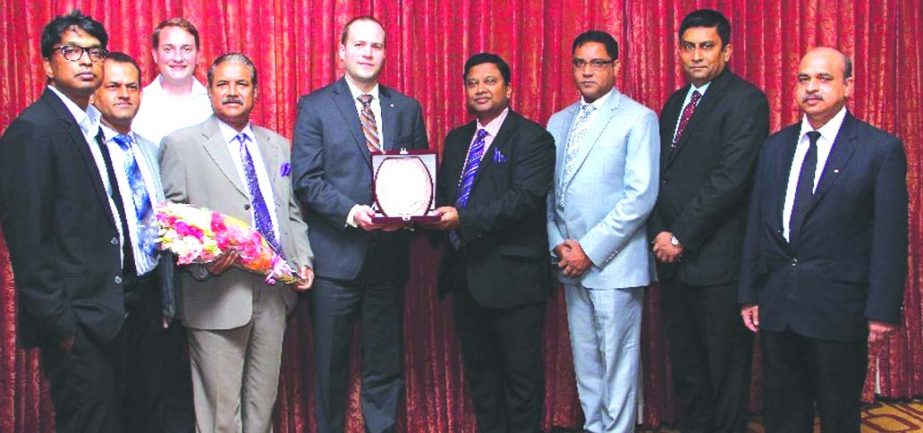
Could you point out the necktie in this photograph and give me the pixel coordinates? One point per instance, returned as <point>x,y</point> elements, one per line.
<point>369,127</point>
<point>128,264</point>
<point>684,119</point>
<point>804,192</point>
<point>261,216</point>
<point>574,140</point>
<point>140,198</point>
<point>466,181</point>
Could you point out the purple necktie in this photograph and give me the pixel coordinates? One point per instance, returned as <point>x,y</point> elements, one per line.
<point>260,211</point>
<point>139,196</point>
<point>684,119</point>
<point>467,178</point>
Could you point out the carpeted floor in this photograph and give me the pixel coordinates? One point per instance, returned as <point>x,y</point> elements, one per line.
<point>881,417</point>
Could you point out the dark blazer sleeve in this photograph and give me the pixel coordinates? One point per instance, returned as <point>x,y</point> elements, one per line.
<point>532,166</point>
<point>420,140</point>
<point>745,128</point>
<point>310,185</point>
<point>27,152</point>
<point>888,261</point>
<point>749,263</point>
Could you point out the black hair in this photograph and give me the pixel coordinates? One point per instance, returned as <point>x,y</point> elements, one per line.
<point>708,18</point>
<point>481,58</point>
<point>120,57</point>
<point>612,47</point>
<point>53,31</point>
<point>232,58</point>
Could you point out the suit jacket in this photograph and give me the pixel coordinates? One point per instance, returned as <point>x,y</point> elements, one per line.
<point>62,238</point>
<point>610,193</point>
<point>332,172</point>
<point>197,168</point>
<point>706,182</point>
<point>849,262</point>
<point>503,234</point>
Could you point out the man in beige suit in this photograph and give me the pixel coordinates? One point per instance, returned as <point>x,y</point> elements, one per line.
<point>234,319</point>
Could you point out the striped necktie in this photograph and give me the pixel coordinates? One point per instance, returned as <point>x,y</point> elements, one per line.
<point>369,127</point>
<point>466,182</point>
<point>574,140</point>
<point>261,217</point>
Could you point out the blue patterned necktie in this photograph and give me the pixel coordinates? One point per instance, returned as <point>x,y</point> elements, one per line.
<point>261,216</point>
<point>467,178</point>
<point>140,198</point>
<point>574,140</point>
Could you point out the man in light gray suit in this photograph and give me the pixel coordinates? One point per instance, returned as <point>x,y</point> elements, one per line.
<point>234,319</point>
<point>604,188</point>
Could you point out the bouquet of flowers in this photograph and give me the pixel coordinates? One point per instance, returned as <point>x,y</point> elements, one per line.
<point>199,235</point>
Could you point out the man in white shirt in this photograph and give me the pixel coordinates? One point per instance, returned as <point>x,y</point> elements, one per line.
<point>175,99</point>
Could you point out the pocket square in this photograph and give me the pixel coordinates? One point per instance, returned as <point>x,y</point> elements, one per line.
<point>285,169</point>
<point>499,157</point>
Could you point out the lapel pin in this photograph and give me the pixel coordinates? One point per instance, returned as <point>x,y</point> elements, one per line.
<point>391,105</point>
<point>836,171</point>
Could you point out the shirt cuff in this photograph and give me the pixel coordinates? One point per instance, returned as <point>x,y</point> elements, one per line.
<point>351,217</point>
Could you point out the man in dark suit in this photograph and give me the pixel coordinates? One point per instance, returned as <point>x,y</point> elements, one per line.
<point>495,174</point>
<point>710,132</point>
<point>361,266</point>
<point>63,220</point>
<point>825,254</point>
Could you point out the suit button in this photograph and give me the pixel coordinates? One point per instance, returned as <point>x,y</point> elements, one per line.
<point>665,181</point>
<point>247,206</point>
<point>794,262</point>
<point>117,279</point>
<point>114,241</point>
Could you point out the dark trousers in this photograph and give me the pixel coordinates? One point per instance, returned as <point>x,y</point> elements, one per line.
<point>376,296</point>
<point>799,371</point>
<point>711,353</point>
<point>87,383</point>
<point>159,382</point>
<point>502,356</point>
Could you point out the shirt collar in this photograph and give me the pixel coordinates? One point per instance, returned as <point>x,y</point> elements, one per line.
<point>354,90</point>
<point>109,133</point>
<point>198,89</point>
<point>701,90</point>
<point>493,127</point>
<point>600,101</point>
<point>87,120</point>
<point>230,134</point>
<point>829,130</point>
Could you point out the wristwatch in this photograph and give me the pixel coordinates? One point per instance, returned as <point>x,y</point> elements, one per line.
<point>674,241</point>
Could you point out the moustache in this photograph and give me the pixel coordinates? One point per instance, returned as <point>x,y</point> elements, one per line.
<point>812,97</point>
<point>232,100</point>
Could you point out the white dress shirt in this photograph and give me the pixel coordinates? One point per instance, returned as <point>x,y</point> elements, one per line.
<point>89,122</point>
<point>161,114</point>
<point>692,88</point>
<point>144,263</point>
<point>828,134</point>
<point>230,137</point>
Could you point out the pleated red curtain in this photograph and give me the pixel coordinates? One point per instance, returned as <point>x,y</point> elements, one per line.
<point>293,45</point>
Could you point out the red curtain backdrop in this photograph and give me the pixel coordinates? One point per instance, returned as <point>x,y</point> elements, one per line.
<point>293,44</point>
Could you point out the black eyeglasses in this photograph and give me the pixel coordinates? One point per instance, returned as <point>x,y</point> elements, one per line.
<point>596,64</point>
<point>73,53</point>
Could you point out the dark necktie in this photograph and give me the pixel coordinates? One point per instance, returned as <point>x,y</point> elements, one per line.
<point>466,181</point>
<point>141,200</point>
<point>261,216</point>
<point>684,119</point>
<point>129,265</point>
<point>804,192</point>
<point>369,127</point>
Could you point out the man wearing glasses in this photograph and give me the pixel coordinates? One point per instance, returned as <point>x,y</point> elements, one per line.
<point>605,186</point>
<point>710,132</point>
<point>62,216</point>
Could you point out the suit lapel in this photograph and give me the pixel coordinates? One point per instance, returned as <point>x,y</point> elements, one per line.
<point>80,143</point>
<point>789,139</point>
<point>343,100</point>
<point>842,150</point>
<point>271,159</point>
<point>217,149</point>
<point>570,114</point>
<point>500,143</point>
<point>598,125</point>
<point>388,120</point>
<point>671,113</point>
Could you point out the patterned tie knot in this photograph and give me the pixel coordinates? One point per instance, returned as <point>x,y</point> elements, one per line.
<point>482,133</point>
<point>587,109</point>
<point>124,141</point>
<point>813,136</point>
<point>242,138</point>
<point>695,97</point>
<point>366,100</point>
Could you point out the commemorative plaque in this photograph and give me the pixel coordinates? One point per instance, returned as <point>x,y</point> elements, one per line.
<point>404,186</point>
